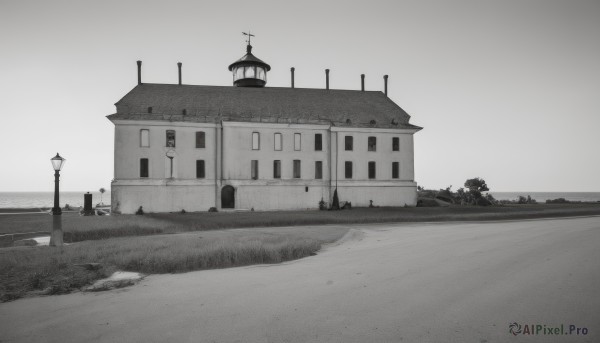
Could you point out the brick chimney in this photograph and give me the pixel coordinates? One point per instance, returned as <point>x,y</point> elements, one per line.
<point>139,64</point>
<point>362,82</point>
<point>385,78</point>
<point>179,68</point>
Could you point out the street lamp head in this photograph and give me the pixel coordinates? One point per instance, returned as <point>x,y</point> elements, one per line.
<point>170,153</point>
<point>57,162</point>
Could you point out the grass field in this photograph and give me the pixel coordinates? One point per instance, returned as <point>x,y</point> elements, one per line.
<point>49,270</point>
<point>78,228</point>
<point>204,240</point>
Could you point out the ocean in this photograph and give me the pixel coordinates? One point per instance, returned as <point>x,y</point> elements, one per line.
<point>46,199</point>
<point>75,199</point>
<point>543,196</point>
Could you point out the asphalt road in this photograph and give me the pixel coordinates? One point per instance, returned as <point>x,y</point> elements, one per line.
<point>442,282</point>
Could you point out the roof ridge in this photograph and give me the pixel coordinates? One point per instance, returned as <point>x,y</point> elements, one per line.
<point>260,88</point>
<point>352,108</point>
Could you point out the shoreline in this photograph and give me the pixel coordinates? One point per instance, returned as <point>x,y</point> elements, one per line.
<point>19,210</point>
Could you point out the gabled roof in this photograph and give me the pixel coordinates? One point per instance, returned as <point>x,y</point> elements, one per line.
<point>270,105</point>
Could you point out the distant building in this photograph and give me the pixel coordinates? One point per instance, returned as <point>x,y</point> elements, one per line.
<point>249,146</point>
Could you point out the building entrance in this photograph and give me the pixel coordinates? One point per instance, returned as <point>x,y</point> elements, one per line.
<point>228,197</point>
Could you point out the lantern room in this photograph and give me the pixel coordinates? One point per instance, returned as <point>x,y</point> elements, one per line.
<point>249,71</point>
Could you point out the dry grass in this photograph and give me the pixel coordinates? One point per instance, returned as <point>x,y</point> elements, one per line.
<point>78,228</point>
<point>74,224</point>
<point>48,270</point>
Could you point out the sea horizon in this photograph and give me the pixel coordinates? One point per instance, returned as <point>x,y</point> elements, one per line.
<point>32,199</point>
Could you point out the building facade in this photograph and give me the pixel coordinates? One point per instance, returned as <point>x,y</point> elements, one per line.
<point>249,146</point>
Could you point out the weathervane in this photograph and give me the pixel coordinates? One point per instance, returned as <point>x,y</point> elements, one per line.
<point>249,36</point>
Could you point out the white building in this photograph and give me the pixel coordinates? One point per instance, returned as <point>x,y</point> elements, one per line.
<point>249,146</point>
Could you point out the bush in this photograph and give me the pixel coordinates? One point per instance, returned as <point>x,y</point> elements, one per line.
<point>322,206</point>
<point>427,202</point>
<point>491,199</point>
<point>524,200</point>
<point>446,195</point>
<point>482,201</point>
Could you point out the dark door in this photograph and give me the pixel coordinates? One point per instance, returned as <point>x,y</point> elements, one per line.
<point>228,197</point>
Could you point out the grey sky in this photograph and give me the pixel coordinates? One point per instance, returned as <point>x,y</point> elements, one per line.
<point>506,90</point>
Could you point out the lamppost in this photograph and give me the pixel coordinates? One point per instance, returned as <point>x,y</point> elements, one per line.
<point>56,238</point>
<point>171,154</point>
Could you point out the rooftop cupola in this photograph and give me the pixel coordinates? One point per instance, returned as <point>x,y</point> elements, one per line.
<point>249,71</point>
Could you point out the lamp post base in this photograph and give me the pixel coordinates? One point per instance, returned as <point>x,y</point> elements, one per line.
<point>56,237</point>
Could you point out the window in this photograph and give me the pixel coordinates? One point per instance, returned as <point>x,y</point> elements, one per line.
<point>296,169</point>
<point>249,72</point>
<point>260,73</point>
<point>371,170</point>
<point>395,170</point>
<point>239,73</point>
<point>143,167</point>
<point>170,138</point>
<point>372,144</point>
<point>277,169</point>
<point>349,143</point>
<point>318,169</point>
<point>254,169</point>
<point>318,142</point>
<point>348,170</point>
<point>277,144</point>
<point>255,141</point>
<point>200,140</point>
<point>297,141</point>
<point>144,138</point>
<point>200,169</point>
<point>395,144</point>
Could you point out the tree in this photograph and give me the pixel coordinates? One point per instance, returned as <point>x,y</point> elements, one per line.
<point>336,202</point>
<point>102,190</point>
<point>462,197</point>
<point>476,186</point>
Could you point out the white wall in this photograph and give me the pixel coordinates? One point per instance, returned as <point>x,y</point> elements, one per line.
<point>383,156</point>
<point>160,193</point>
<point>238,152</point>
<point>162,198</point>
<point>128,151</point>
<point>360,196</point>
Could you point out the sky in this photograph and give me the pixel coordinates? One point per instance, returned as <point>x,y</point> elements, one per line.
<point>506,90</point>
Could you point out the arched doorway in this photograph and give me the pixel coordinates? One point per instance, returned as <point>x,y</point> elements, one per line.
<point>228,197</point>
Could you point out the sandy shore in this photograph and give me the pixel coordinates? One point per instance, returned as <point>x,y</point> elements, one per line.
<point>442,282</point>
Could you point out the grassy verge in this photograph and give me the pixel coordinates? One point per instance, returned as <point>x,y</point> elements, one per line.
<point>45,270</point>
<point>78,228</point>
